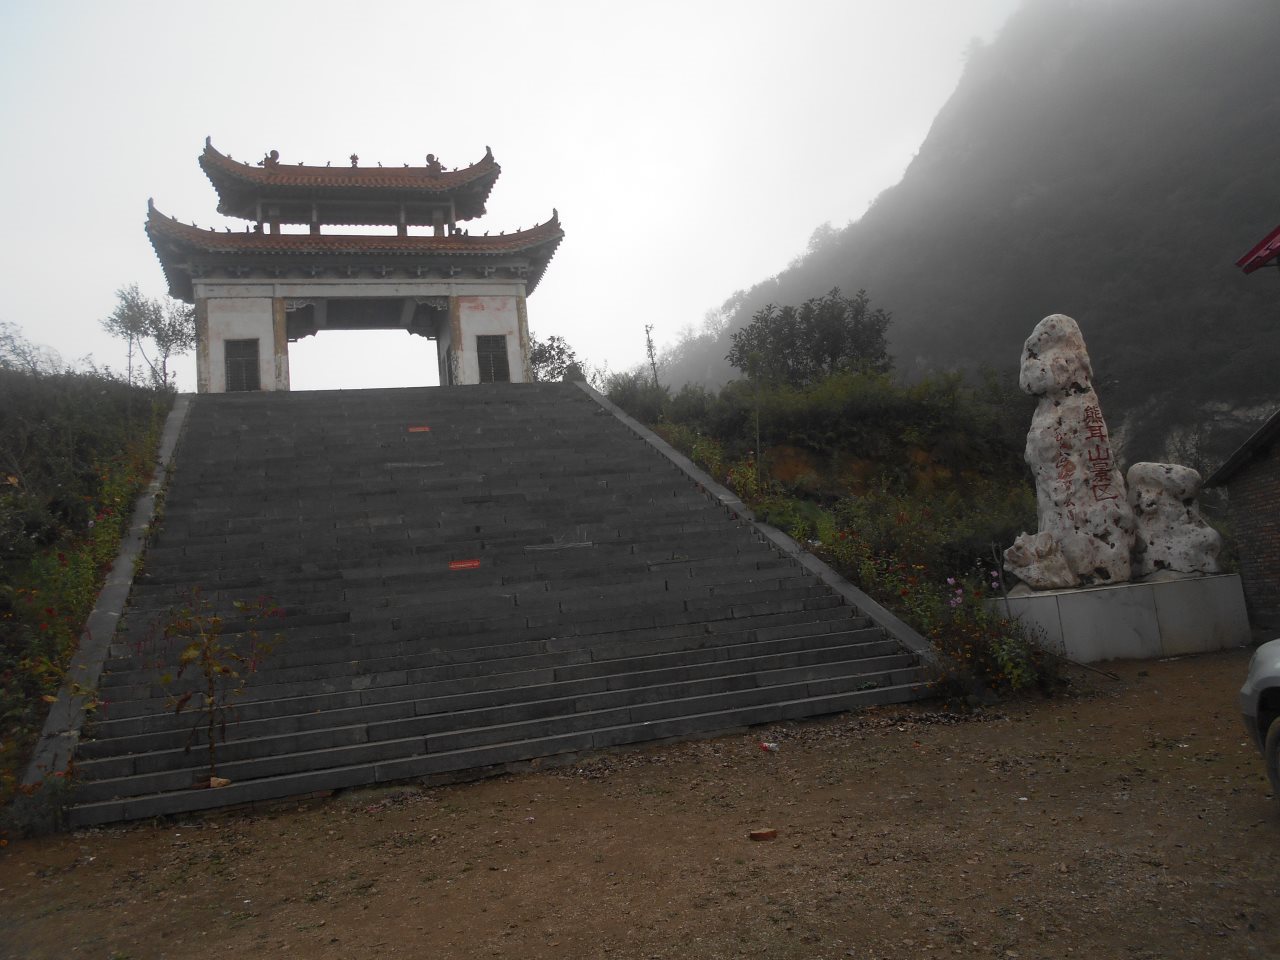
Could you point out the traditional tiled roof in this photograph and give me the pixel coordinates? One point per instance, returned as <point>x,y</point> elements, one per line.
<point>241,185</point>
<point>178,244</point>
<point>1265,251</point>
<point>212,241</point>
<point>1263,439</point>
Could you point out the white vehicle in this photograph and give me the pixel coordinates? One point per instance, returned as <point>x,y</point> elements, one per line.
<point>1260,704</point>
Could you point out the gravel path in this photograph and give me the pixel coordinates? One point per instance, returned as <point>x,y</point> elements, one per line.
<point>1126,819</point>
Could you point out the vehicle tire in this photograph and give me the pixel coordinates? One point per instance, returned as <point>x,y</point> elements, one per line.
<point>1272,755</point>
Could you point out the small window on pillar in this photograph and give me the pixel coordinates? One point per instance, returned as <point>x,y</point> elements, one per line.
<point>492,354</point>
<point>242,365</point>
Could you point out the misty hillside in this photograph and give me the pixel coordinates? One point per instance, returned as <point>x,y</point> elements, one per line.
<point>1108,159</point>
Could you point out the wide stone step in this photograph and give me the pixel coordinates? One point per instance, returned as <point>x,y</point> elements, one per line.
<point>648,696</point>
<point>493,667</point>
<point>412,539</point>
<point>360,748</point>
<point>525,578</point>
<point>317,648</point>
<point>543,676</point>
<point>562,565</point>
<point>178,800</point>
<point>273,681</point>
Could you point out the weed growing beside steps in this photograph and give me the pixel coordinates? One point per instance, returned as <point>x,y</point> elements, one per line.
<point>38,810</point>
<point>76,450</point>
<point>220,657</point>
<point>918,548</point>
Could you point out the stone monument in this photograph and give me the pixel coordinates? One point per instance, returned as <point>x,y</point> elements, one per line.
<point>1171,537</point>
<point>1095,534</point>
<point>1084,516</point>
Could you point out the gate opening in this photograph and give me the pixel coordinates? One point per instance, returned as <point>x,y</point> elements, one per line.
<point>362,360</point>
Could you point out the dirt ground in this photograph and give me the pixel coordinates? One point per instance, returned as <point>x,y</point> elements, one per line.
<point>1124,819</point>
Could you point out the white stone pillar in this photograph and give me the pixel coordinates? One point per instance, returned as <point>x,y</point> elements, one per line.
<point>243,319</point>
<point>202,345</point>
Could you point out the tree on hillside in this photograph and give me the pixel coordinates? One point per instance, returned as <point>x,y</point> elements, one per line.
<point>19,353</point>
<point>550,358</point>
<point>168,325</point>
<point>824,335</point>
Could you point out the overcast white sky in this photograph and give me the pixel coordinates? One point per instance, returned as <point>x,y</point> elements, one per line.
<point>690,147</point>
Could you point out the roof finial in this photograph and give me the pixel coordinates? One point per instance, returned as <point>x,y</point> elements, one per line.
<point>434,165</point>
<point>355,160</point>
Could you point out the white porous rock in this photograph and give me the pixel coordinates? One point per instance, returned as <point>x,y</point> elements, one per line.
<point>1080,493</point>
<point>1171,535</point>
<point>1037,560</point>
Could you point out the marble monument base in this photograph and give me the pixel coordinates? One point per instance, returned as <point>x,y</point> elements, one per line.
<point>1136,621</point>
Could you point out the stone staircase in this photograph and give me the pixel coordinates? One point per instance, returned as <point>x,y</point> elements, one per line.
<point>464,578</point>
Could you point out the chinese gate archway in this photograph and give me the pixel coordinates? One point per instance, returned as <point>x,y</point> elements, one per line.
<point>257,291</point>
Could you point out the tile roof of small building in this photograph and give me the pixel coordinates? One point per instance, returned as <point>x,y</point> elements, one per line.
<point>1262,440</point>
<point>171,238</point>
<point>1262,253</point>
<point>212,241</point>
<point>271,173</point>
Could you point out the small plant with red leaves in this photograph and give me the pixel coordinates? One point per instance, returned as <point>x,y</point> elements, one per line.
<point>220,660</point>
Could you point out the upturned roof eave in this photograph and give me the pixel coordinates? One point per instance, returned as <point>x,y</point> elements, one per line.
<point>1262,439</point>
<point>249,244</point>
<point>230,178</point>
<point>172,240</point>
<point>1261,253</point>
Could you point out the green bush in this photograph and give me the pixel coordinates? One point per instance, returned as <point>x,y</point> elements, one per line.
<point>638,395</point>
<point>951,611</point>
<point>948,484</point>
<point>77,450</point>
<point>942,531</point>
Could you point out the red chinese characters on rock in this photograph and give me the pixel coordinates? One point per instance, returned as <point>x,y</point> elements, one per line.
<point>1101,462</point>
<point>1064,462</point>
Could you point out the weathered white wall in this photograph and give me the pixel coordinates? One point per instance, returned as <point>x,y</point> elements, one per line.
<point>245,318</point>
<point>1135,621</point>
<point>444,344</point>
<point>487,316</point>
<point>253,307</point>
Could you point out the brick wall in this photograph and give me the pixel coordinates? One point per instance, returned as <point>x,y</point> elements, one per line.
<point>1255,512</point>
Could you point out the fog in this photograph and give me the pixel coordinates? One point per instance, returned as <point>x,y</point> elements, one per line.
<point>690,148</point>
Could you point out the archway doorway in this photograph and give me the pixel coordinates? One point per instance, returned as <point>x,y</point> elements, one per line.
<point>362,359</point>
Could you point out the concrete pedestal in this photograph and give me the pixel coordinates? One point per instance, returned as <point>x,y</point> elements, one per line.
<point>1137,621</point>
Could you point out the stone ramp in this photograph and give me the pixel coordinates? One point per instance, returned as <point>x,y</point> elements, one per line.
<point>465,578</point>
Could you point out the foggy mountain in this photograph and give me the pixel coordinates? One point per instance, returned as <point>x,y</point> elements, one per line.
<point>1107,159</point>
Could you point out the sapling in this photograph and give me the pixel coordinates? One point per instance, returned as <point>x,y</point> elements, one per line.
<point>223,667</point>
